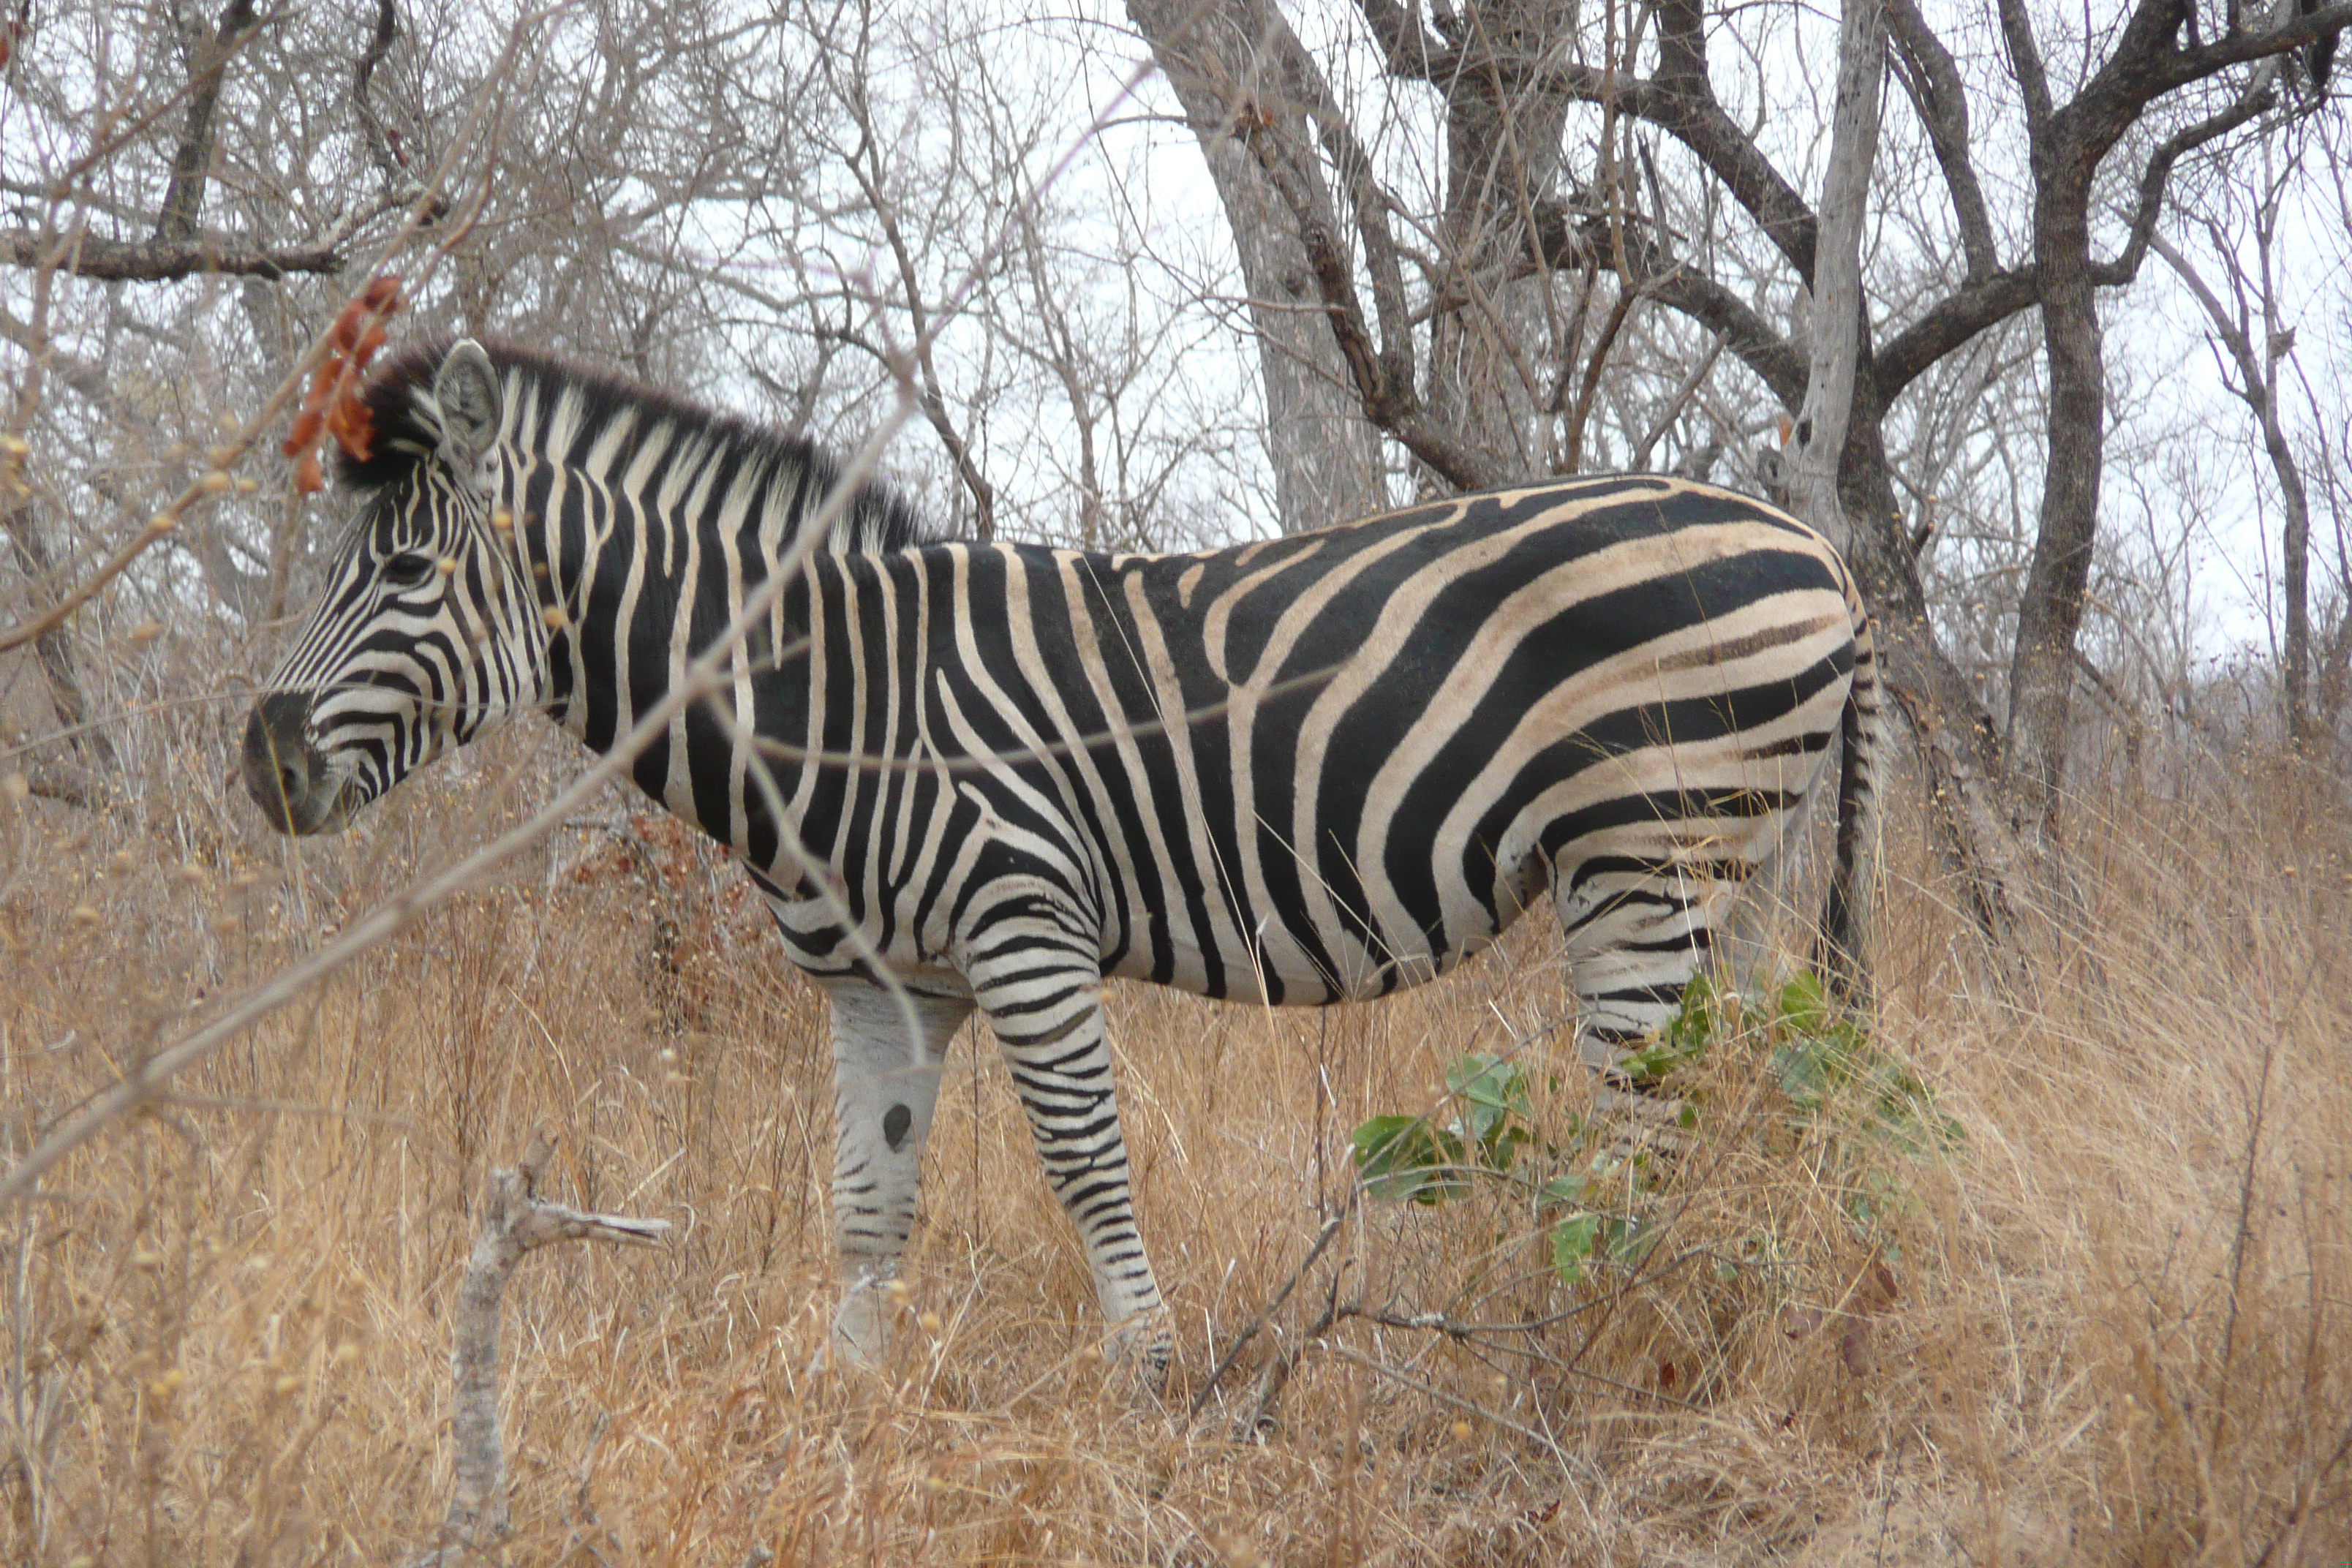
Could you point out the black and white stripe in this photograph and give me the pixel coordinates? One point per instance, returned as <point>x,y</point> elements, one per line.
<point>1316,768</point>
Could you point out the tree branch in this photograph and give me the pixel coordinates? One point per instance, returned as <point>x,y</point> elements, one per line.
<point>1383,374</point>
<point>1951,322</point>
<point>161,261</point>
<point>1840,313</point>
<point>1564,245</point>
<point>381,146</point>
<point>2178,68</point>
<point>1679,100</point>
<point>2025,61</point>
<point>2159,173</point>
<point>864,166</point>
<point>1772,357</point>
<point>1933,82</point>
<point>515,1220</point>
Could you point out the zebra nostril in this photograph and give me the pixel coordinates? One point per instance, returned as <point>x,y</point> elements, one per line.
<point>278,762</point>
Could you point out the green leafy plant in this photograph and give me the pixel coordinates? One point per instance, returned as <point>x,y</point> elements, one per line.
<point>1420,1160</point>
<point>1837,1084</point>
<point>1409,1159</point>
<point>1587,1229</point>
<point>1823,1064</point>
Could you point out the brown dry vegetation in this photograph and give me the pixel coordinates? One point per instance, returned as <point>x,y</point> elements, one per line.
<point>2115,1330</point>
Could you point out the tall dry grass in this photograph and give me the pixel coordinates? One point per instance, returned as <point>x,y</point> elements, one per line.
<point>2109,1328</point>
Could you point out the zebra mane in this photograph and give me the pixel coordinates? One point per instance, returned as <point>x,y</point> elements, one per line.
<point>876,521</point>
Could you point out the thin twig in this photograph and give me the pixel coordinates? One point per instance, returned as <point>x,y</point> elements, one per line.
<point>1467,1406</point>
<point>1224,1363</point>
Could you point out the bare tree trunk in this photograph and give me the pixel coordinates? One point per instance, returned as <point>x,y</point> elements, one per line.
<point>1227,61</point>
<point>1837,314</point>
<point>53,649</point>
<point>1504,142</point>
<point>1836,333</point>
<point>184,200</point>
<point>2041,671</point>
<point>2295,545</point>
<point>515,1220</point>
<point>2067,146</point>
<point>1959,751</point>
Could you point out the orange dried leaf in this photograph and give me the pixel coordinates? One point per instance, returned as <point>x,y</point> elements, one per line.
<point>308,480</point>
<point>323,382</point>
<point>353,427</point>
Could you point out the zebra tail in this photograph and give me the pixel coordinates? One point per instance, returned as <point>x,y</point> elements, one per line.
<point>1845,917</point>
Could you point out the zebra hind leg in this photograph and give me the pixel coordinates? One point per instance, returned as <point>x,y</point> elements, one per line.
<point>1636,934</point>
<point>885,1086</point>
<point>1048,1019</point>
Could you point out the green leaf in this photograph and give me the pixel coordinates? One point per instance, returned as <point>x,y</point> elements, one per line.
<point>1561,1191</point>
<point>1572,1241</point>
<point>1803,1074</point>
<point>1404,1158</point>
<point>1805,1005</point>
<point>1499,1150</point>
<point>1632,1239</point>
<point>1496,1106</point>
<point>1489,1084</point>
<point>1700,1020</point>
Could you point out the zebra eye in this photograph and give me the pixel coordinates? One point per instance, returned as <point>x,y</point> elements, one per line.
<point>408,570</point>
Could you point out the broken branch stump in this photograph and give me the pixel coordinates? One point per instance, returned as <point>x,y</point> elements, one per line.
<point>515,1219</point>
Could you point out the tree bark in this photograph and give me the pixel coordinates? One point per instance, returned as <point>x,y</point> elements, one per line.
<point>2066,145</point>
<point>2042,667</point>
<point>53,650</point>
<point>1959,749</point>
<point>1838,326</point>
<point>1504,139</point>
<point>1225,62</point>
<point>160,261</point>
<point>515,1220</point>
<point>183,199</point>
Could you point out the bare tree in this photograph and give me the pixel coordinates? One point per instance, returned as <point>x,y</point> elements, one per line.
<point>2248,324</point>
<point>2147,63</point>
<point>1837,305</point>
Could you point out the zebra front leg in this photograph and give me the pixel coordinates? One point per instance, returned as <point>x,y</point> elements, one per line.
<point>1049,1023</point>
<point>884,1085</point>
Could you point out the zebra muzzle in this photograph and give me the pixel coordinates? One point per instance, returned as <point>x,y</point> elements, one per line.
<point>284,773</point>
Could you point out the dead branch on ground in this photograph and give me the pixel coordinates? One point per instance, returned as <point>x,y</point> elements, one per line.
<point>515,1220</point>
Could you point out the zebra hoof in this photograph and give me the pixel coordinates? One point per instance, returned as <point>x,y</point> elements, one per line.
<point>861,1330</point>
<point>1143,1346</point>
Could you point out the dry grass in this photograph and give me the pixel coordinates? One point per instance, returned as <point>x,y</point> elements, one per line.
<point>2117,1330</point>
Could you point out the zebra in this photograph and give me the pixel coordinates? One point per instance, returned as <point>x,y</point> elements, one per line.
<point>987,777</point>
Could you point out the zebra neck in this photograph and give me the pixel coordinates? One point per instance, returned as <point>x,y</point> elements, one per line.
<point>636,582</point>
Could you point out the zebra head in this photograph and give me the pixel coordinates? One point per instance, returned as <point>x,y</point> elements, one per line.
<point>428,632</point>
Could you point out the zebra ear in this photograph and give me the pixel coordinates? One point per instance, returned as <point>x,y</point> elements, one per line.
<point>466,388</point>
